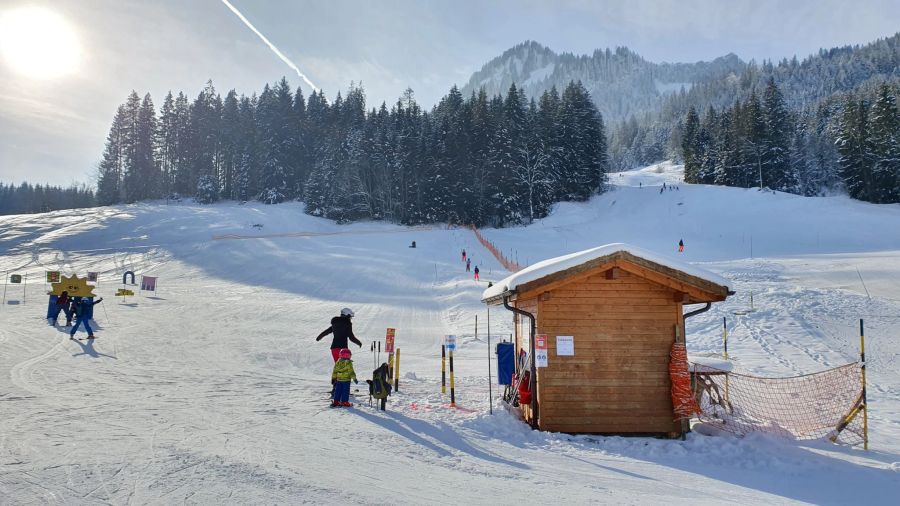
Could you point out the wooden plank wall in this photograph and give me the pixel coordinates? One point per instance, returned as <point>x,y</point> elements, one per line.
<point>618,380</point>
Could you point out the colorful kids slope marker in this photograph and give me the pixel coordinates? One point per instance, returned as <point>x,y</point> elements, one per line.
<point>148,284</point>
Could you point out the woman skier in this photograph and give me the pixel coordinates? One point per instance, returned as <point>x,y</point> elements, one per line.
<point>342,329</point>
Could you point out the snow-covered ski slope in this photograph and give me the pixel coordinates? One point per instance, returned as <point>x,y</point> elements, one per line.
<point>214,390</point>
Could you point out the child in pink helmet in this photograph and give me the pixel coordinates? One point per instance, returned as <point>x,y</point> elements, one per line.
<point>341,375</point>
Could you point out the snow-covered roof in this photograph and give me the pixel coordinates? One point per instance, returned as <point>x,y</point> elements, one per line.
<point>561,263</point>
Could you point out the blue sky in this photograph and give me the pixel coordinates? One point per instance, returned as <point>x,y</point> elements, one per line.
<point>54,131</point>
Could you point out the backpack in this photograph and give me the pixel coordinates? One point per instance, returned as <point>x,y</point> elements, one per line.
<point>380,384</point>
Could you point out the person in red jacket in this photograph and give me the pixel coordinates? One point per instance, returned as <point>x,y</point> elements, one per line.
<point>342,329</point>
<point>62,304</point>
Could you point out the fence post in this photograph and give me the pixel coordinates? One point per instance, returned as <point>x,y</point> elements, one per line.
<point>490,385</point>
<point>725,342</point>
<point>443,369</point>
<point>862,358</point>
<point>452,386</point>
<point>397,370</point>
<point>725,335</point>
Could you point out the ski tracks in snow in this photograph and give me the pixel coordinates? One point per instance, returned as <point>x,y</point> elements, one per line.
<point>22,374</point>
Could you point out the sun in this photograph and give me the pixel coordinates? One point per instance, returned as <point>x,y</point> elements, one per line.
<point>38,43</point>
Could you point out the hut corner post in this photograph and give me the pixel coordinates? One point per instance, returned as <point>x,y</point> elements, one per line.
<point>532,383</point>
<point>682,338</point>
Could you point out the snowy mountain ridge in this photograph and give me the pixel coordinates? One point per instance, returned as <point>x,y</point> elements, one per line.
<point>621,82</point>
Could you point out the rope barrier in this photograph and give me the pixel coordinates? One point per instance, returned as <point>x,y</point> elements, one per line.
<point>507,264</point>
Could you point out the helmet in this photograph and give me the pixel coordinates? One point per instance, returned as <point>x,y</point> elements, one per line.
<point>347,312</point>
<point>345,353</point>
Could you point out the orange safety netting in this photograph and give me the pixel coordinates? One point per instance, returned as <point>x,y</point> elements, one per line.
<point>683,399</point>
<point>812,406</point>
<point>507,264</point>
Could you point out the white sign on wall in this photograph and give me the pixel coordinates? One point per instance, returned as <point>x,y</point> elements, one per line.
<point>540,350</point>
<point>565,345</point>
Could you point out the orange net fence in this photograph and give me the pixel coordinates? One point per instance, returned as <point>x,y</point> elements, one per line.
<point>812,406</point>
<point>507,264</point>
<point>682,396</point>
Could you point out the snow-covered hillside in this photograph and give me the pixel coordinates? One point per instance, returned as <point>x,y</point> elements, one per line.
<point>214,389</point>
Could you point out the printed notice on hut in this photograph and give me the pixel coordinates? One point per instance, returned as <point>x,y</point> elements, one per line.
<point>540,350</point>
<point>565,345</point>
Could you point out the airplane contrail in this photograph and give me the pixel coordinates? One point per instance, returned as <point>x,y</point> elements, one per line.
<point>274,49</point>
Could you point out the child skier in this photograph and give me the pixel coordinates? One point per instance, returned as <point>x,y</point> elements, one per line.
<point>62,304</point>
<point>477,277</point>
<point>81,310</point>
<point>681,245</point>
<point>341,375</point>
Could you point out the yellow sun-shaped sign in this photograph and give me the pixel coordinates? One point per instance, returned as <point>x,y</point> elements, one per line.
<point>76,287</point>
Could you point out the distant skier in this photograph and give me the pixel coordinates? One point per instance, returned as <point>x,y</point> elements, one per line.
<point>343,330</point>
<point>341,375</point>
<point>468,264</point>
<point>681,246</point>
<point>81,315</point>
<point>477,277</point>
<point>464,255</point>
<point>63,303</point>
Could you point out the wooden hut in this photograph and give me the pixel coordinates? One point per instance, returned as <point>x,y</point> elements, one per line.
<point>622,309</point>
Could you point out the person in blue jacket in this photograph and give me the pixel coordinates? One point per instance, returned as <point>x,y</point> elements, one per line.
<point>81,309</point>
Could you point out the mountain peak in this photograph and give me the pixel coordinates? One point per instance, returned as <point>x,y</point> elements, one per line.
<point>621,82</point>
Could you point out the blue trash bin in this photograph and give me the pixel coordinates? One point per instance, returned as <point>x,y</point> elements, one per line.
<point>506,363</point>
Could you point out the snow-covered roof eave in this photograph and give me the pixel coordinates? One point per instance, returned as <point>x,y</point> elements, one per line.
<point>497,299</point>
<point>509,286</point>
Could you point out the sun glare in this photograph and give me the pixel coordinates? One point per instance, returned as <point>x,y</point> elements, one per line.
<point>38,43</point>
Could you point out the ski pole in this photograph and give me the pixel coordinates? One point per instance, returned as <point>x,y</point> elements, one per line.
<point>104,311</point>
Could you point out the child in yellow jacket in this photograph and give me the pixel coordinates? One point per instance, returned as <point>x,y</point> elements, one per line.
<point>341,375</point>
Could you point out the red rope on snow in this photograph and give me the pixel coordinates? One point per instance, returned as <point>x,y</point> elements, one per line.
<point>507,264</point>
